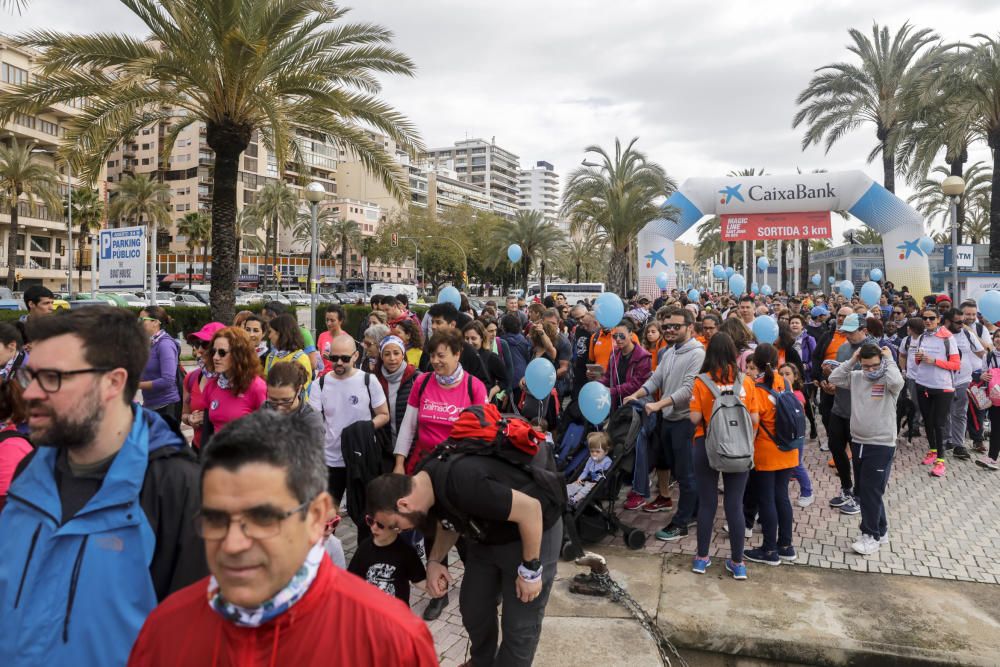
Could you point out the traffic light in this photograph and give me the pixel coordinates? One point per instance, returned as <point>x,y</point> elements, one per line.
<point>394,239</point>
<point>18,276</point>
<point>465,278</point>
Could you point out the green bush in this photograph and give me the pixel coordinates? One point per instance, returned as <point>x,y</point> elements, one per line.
<point>356,314</point>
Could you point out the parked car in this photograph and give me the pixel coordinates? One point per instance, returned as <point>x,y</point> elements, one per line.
<point>200,292</point>
<point>164,299</point>
<point>133,300</point>
<point>276,296</point>
<point>189,301</point>
<point>298,298</point>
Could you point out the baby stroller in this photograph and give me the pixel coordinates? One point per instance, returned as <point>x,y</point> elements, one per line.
<point>593,518</point>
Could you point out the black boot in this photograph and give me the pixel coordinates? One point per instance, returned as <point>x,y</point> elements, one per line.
<point>435,607</point>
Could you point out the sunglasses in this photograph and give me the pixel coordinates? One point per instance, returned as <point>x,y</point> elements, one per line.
<point>220,353</point>
<point>672,326</point>
<point>897,312</point>
<point>619,336</point>
<point>929,318</point>
<point>342,358</point>
<point>200,344</point>
<point>372,523</point>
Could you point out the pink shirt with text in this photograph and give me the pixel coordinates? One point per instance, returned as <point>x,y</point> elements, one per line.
<point>224,406</point>
<point>438,410</point>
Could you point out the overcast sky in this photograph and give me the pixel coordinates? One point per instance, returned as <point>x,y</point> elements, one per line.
<point>707,86</point>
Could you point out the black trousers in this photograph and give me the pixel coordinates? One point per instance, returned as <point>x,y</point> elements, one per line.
<point>873,463</point>
<point>935,405</point>
<point>839,432</point>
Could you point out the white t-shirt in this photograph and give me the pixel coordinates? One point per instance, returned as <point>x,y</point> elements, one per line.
<point>343,403</point>
<point>968,344</point>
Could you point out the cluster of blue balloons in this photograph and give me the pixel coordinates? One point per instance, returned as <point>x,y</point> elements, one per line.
<point>719,272</point>
<point>989,306</point>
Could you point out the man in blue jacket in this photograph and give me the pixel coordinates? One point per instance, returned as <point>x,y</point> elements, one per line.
<point>98,526</point>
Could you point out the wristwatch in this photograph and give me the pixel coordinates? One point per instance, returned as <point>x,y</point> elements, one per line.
<point>533,565</point>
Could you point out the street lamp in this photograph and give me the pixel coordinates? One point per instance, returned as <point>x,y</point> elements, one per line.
<point>314,194</point>
<point>69,212</point>
<point>953,187</point>
<point>416,257</point>
<point>465,259</point>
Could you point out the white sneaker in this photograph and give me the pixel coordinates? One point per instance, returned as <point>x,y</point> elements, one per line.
<point>823,446</point>
<point>805,501</point>
<point>749,533</point>
<point>884,539</point>
<point>866,545</point>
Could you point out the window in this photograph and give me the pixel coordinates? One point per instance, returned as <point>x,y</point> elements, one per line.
<point>249,164</point>
<point>145,147</point>
<point>145,161</point>
<point>24,120</point>
<point>15,75</point>
<point>48,128</point>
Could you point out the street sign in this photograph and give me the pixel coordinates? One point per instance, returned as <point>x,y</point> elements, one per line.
<point>123,258</point>
<point>966,260</point>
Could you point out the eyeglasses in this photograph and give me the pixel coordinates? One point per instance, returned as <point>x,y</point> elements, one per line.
<point>929,318</point>
<point>370,521</point>
<point>148,319</point>
<point>342,358</point>
<point>282,402</point>
<point>219,352</point>
<point>897,312</point>
<point>50,379</point>
<point>672,326</point>
<point>257,523</point>
<point>619,336</point>
<point>200,344</point>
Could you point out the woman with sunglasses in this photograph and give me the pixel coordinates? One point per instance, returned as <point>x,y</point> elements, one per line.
<point>193,403</point>
<point>935,361</point>
<point>287,345</point>
<point>286,383</point>
<point>628,366</point>
<point>159,378</point>
<point>237,388</point>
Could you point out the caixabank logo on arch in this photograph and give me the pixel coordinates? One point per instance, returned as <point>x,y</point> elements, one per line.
<point>797,193</point>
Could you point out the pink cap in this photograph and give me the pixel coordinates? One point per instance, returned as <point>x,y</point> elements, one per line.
<point>206,332</point>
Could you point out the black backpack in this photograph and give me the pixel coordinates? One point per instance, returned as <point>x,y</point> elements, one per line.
<point>789,420</point>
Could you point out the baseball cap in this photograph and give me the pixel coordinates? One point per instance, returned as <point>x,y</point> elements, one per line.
<point>851,323</point>
<point>206,332</point>
<point>942,297</point>
<point>819,311</point>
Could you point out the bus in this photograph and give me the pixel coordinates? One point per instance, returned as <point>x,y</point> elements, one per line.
<point>572,291</point>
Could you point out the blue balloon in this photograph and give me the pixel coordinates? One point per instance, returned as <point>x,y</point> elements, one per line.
<point>846,287</point>
<point>816,280</point>
<point>540,376</point>
<point>763,264</point>
<point>730,271</point>
<point>609,309</point>
<point>875,274</point>
<point>766,290</point>
<point>514,252</point>
<point>754,288</point>
<point>989,306</point>
<point>926,244</point>
<point>737,284</point>
<point>764,328</point>
<point>719,272</point>
<point>870,293</point>
<point>450,295</point>
<point>694,294</point>
<point>831,280</point>
<point>595,402</point>
<point>662,280</point>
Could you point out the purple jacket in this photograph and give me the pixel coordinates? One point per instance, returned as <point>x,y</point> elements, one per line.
<point>636,373</point>
<point>161,368</point>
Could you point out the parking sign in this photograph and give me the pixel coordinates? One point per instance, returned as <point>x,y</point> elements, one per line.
<point>123,258</point>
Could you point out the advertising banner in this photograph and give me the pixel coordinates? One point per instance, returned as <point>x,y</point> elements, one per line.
<point>774,226</point>
<point>123,258</point>
<point>656,256</point>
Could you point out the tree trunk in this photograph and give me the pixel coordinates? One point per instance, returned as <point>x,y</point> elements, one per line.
<point>578,273</point>
<point>541,279</point>
<point>343,262</point>
<point>228,141</point>
<point>79,263</point>
<point>204,261</point>
<point>888,168</point>
<point>616,273</point>
<point>12,243</point>
<point>995,205</point>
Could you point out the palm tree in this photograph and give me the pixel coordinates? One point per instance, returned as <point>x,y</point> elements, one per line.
<point>575,254</point>
<point>196,227</point>
<point>843,96</point>
<point>538,239</point>
<point>931,202</point>
<point>88,212</point>
<point>248,228</point>
<point>275,207</point>
<point>21,175</point>
<point>238,67</point>
<point>612,201</point>
<point>144,201</point>
<point>710,241</point>
<point>332,231</point>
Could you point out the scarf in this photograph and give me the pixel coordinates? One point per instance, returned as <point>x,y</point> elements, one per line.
<point>448,380</point>
<point>222,381</point>
<point>392,382</point>
<point>877,374</point>
<point>261,349</point>
<point>279,354</point>
<point>277,605</point>
<point>205,373</point>
<point>157,337</point>
<point>9,366</point>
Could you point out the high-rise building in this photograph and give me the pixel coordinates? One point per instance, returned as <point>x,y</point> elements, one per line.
<point>42,248</point>
<point>481,163</point>
<point>538,190</point>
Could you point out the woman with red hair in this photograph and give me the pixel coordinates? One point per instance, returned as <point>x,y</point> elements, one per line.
<point>237,388</point>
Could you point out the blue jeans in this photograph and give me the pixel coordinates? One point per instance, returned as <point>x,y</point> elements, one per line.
<point>677,442</point>
<point>768,491</point>
<point>801,475</point>
<point>733,483</point>
<point>873,464</point>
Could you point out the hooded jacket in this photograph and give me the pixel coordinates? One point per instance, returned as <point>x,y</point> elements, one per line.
<point>636,372</point>
<point>77,592</point>
<point>674,377</point>
<point>520,353</point>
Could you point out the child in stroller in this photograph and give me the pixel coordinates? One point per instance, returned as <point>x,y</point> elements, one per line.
<point>599,444</point>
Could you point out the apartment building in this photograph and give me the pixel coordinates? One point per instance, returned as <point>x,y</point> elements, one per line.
<point>538,190</point>
<point>42,249</point>
<point>481,163</point>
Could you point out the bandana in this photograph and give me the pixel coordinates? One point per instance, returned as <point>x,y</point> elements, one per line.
<point>222,381</point>
<point>392,340</point>
<point>277,605</point>
<point>878,372</point>
<point>205,373</point>
<point>278,354</point>
<point>448,380</point>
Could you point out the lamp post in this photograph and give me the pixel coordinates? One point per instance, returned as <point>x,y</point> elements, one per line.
<point>953,187</point>
<point>69,212</point>
<point>314,194</point>
<point>465,259</point>
<point>416,257</point>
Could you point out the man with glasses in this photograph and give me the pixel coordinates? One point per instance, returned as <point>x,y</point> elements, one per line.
<point>274,597</point>
<point>97,528</point>
<point>674,379</point>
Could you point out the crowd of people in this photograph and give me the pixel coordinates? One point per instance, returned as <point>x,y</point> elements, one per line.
<point>209,511</point>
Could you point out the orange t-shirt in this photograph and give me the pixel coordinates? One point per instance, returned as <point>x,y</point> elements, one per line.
<point>831,350</point>
<point>766,455</point>
<point>655,353</point>
<point>702,400</point>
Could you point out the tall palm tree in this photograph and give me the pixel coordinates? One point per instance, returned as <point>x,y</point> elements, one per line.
<point>575,254</point>
<point>248,230</point>
<point>931,202</point>
<point>196,227</point>
<point>614,199</point>
<point>275,207</point>
<point>239,67</point>
<point>89,213</point>
<point>843,96</point>
<point>538,239</point>
<point>23,179</point>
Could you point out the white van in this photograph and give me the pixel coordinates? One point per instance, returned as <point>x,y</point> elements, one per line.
<point>572,291</point>
<point>392,289</point>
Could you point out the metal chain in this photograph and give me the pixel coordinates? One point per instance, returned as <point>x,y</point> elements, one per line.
<point>620,595</point>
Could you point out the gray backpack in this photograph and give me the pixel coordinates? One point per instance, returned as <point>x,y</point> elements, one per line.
<point>728,430</point>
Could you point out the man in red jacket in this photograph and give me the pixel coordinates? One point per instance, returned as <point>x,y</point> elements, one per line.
<point>275,598</point>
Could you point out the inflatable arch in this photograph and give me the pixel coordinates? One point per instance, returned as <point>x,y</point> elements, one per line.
<point>852,191</point>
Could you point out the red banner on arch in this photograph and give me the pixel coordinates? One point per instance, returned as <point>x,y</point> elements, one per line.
<point>775,226</point>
